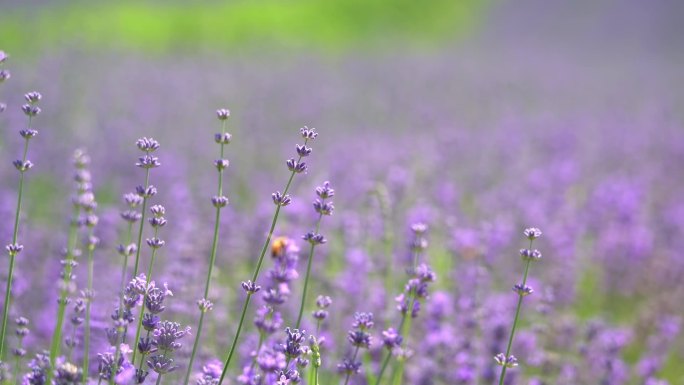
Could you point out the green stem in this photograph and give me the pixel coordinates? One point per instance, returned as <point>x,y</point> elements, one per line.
<point>142,306</point>
<point>86,337</point>
<point>255,276</point>
<point>57,334</point>
<point>356,352</point>
<point>17,359</point>
<point>515,321</point>
<point>212,260</point>
<point>142,223</point>
<point>308,274</point>
<point>15,234</point>
<point>159,379</point>
<point>129,238</point>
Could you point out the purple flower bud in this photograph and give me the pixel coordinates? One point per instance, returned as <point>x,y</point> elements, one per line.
<point>219,201</point>
<point>155,243</point>
<point>205,305</point>
<point>14,248</point>
<point>221,164</point>
<point>523,290</point>
<point>33,97</point>
<point>391,338</point>
<point>530,255</point>
<point>132,199</point>
<point>295,166</point>
<point>28,133</point>
<point>222,138</point>
<point>325,191</point>
<point>157,222</point>
<point>22,166</point>
<point>363,321</point>
<point>158,210</point>
<point>150,321</point>
<point>313,238</point>
<point>222,114</point>
<point>323,208</point>
<point>308,133</point>
<point>250,287</point>
<point>3,56</point>
<point>147,144</point>
<point>509,362</point>
<point>4,75</point>
<point>303,150</point>
<point>323,301</point>
<point>161,364</point>
<point>146,192</point>
<point>349,367</point>
<point>532,233</point>
<point>30,110</point>
<point>281,200</point>
<point>148,161</point>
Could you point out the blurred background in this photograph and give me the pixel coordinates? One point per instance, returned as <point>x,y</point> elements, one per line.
<point>477,117</point>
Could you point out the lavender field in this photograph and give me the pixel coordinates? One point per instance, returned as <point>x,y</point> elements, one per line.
<point>473,194</point>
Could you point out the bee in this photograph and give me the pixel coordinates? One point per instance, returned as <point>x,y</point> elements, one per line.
<point>279,246</point>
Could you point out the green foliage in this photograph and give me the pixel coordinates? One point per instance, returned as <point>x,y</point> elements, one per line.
<point>223,26</point>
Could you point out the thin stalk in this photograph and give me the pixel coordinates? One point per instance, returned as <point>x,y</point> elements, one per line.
<point>212,260</point>
<point>308,274</point>
<point>356,352</point>
<point>124,267</point>
<point>86,337</point>
<point>17,359</point>
<point>142,306</point>
<point>255,276</point>
<point>159,379</point>
<point>142,223</point>
<point>15,234</point>
<point>142,358</point>
<point>70,350</point>
<point>57,334</point>
<point>515,320</point>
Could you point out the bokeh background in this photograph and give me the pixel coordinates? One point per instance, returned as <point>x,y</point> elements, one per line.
<point>477,117</point>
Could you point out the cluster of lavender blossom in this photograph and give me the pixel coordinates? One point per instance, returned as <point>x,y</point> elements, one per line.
<point>276,299</point>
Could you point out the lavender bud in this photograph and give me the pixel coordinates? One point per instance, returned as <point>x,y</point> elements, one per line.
<point>19,352</point>
<point>222,138</point>
<point>532,233</point>
<point>250,287</point>
<point>3,107</point>
<point>530,255</point>
<point>157,222</point>
<point>3,56</point>
<point>28,133</point>
<point>155,243</point>
<point>325,191</point>
<point>323,208</point>
<point>523,290</point>
<point>22,166</point>
<point>303,151</point>
<point>295,166</point>
<point>146,192</point>
<point>219,201</point>
<point>131,216</point>
<point>148,161</point>
<point>150,322</point>
<point>323,301</point>
<point>147,144</point>
<point>14,248</point>
<point>349,367</point>
<point>33,97</point>
<point>132,199</point>
<point>509,362</point>
<point>391,338</point>
<point>221,164</point>
<point>127,251</point>
<point>363,321</point>
<point>205,305</point>
<point>222,114</point>
<point>308,133</point>
<point>30,110</point>
<point>4,75</point>
<point>313,238</point>
<point>161,364</point>
<point>281,200</point>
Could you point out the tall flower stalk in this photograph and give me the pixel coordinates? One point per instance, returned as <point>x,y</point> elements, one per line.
<point>322,207</point>
<point>84,200</point>
<point>408,303</point>
<point>280,200</point>
<point>22,165</point>
<point>360,338</point>
<point>4,75</point>
<point>219,201</point>
<point>507,360</point>
<point>91,221</point>
<point>155,243</point>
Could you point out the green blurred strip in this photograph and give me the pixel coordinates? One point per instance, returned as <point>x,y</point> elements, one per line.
<point>162,27</point>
